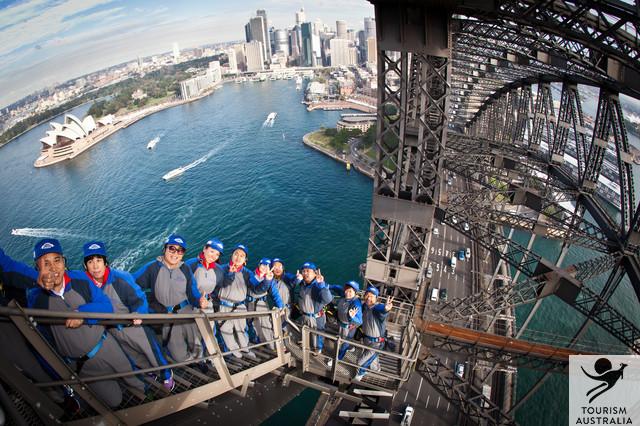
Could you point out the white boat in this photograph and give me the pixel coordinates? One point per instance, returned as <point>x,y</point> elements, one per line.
<point>173,173</point>
<point>152,143</point>
<point>271,118</point>
<point>298,83</point>
<point>14,232</point>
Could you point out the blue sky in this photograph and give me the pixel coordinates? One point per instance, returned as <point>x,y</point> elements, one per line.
<point>50,41</point>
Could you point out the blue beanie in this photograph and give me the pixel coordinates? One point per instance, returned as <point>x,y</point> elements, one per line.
<point>46,245</point>
<point>354,285</point>
<point>277,259</point>
<point>94,248</point>
<point>215,244</point>
<point>371,289</point>
<point>176,240</point>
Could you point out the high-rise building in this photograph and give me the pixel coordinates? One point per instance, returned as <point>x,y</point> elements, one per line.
<point>258,32</point>
<point>254,53</point>
<point>281,40</point>
<point>241,58</point>
<point>306,55</point>
<point>341,29</point>
<point>342,52</point>
<point>247,32</point>
<point>369,27</point>
<point>176,53</point>
<point>265,33</point>
<point>295,43</point>
<point>300,17</point>
<point>372,54</point>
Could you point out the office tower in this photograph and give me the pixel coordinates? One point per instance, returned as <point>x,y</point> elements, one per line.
<point>265,33</point>
<point>307,47</point>
<point>281,41</point>
<point>372,54</point>
<point>369,27</point>
<point>300,17</point>
<point>233,62</point>
<point>342,52</point>
<point>254,53</point>
<point>341,29</point>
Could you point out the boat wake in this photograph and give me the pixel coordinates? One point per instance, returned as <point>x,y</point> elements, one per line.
<point>180,170</point>
<point>46,233</point>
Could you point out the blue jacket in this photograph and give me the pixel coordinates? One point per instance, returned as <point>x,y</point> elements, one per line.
<point>374,320</point>
<point>266,286</point>
<point>147,276</point>
<point>320,295</point>
<point>17,275</point>
<point>343,306</point>
<point>130,293</point>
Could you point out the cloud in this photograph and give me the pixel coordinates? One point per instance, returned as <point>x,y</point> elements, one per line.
<point>32,23</point>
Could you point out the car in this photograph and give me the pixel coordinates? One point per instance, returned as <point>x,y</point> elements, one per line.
<point>443,294</point>
<point>453,262</point>
<point>459,369</point>
<point>436,232</point>
<point>449,182</point>
<point>454,219</point>
<point>467,253</point>
<point>461,255</point>
<point>434,294</point>
<point>429,272</point>
<point>408,415</point>
<point>466,226</point>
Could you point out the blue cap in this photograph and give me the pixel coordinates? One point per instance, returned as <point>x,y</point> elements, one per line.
<point>354,285</point>
<point>243,248</point>
<point>371,289</point>
<point>308,265</point>
<point>94,248</point>
<point>265,261</point>
<point>46,245</point>
<point>216,244</point>
<point>176,240</point>
<point>277,259</point>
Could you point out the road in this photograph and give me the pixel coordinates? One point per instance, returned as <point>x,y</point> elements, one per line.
<point>430,407</point>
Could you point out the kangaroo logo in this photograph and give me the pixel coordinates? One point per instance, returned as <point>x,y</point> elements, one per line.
<point>608,376</point>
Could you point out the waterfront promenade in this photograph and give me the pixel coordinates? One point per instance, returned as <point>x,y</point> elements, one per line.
<point>352,157</point>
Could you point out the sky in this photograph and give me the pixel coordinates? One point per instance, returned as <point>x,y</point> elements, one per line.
<point>44,42</point>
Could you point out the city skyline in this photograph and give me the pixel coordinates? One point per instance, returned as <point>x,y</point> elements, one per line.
<point>50,42</point>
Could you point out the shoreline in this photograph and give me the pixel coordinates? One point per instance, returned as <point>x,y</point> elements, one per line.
<point>124,122</point>
<point>336,157</point>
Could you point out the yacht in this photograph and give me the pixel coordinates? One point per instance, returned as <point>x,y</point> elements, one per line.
<point>152,143</point>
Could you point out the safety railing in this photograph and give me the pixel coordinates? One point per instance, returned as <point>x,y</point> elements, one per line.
<point>395,367</point>
<point>197,380</point>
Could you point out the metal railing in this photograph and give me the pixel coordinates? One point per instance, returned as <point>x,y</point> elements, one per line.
<point>405,359</point>
<point>197,380</point>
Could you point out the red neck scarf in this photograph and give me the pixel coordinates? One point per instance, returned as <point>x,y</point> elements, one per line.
<point>104,278</point>
<point>204,263</point>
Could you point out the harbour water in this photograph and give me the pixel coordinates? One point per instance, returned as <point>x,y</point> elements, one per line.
<point>244,183</point>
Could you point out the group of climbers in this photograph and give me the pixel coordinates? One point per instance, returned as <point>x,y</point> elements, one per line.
<point>170,285</point>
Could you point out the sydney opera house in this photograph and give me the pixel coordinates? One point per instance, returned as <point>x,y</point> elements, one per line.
<point>72,137</point>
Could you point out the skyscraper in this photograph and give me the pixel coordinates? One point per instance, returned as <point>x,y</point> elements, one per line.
<point>257,31</point>
<point>254,52</point>
<point>300,17</point>
<point>342,52</point>
<point>233,62</point>
<point>372,54</point>
<point>307,46</point>
<point>341,29</point>
<point>281,41</point>
<point>265,32</point>
<point>369,27</point>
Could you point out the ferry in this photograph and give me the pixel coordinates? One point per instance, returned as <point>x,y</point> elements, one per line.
<point>298,83</point>
<point>271,118</point>
<point>173,173</point>
<point>152,143</point>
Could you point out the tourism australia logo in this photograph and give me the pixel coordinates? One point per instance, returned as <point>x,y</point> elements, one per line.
<point>604,390</point>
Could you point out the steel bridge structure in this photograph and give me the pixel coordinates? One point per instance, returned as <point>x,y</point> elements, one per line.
<point>493,92</point>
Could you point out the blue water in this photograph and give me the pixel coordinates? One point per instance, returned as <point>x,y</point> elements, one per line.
<point>253,186</point>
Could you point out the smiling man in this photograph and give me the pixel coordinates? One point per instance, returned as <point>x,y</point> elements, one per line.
<point>173,290</point>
